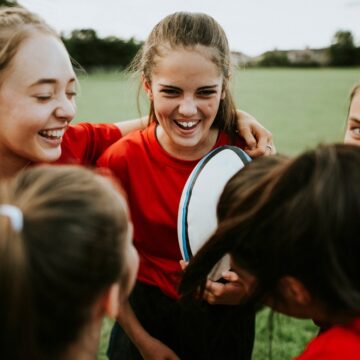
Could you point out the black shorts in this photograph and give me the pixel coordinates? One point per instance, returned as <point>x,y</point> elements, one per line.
<point>193,332</point>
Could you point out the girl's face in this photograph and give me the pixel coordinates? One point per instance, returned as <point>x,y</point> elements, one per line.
<point>186,89</point>
<point>352,134</point>
<point>36,101</point>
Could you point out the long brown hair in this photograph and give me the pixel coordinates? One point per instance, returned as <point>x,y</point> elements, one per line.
<point>301,220</point>
<point>67,254</point>
<point>185,29</point>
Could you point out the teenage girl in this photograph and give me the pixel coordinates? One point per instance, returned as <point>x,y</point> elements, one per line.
<point>185,68</point>
<point>293,241</point>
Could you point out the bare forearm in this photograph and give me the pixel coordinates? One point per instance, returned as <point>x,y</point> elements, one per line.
<point>128,126</point>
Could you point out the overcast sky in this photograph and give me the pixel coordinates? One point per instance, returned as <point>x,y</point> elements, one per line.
<point>252,26</point>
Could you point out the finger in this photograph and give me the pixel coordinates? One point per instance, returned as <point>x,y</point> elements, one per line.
<point>183,264</point>
<point>209,298</point>
<point>249,138</point>
<point>230,276</point>
<point>208,285</point>
<point>263,138</point>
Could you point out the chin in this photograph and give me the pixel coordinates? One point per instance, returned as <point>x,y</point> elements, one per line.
<point>50,156</point>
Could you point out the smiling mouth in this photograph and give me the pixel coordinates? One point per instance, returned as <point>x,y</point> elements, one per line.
<point>54,134</point>
<point>187,125</point>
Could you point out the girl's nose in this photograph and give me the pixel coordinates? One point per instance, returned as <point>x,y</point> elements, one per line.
<point>188,107</point>
<point>66,109</point>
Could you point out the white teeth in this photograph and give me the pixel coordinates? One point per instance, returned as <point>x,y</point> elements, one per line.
<point>187,124</point>
<point>53,133</point>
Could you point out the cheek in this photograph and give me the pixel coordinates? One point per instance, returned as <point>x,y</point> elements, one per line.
<point>212,106</point>
<point>163,105</point>
<point>347,137</point>
<point>32,117</point>
<point>130,273</point>
<point>351,139</point>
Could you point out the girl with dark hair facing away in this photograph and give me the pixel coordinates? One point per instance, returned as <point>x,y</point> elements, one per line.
<point>293,238</point>
<point>185,68</point>
<point>66,261</point>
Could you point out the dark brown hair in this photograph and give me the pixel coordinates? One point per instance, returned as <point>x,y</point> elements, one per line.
<point>300,220</point>
<point>241,192</point>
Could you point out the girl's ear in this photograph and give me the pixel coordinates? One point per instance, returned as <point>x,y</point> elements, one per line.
<point>294,291</point>
<point>147,86</point>
<point>110,301</point>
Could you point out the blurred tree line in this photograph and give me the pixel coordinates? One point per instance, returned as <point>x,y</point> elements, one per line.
<point>341,52</point>
<point>8,3</point>
<point>91,52</point>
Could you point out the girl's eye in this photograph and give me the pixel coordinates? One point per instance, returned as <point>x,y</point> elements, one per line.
<point>356,131</point>
<point>206,92</point>
<point>170,91</point>
<point>43,97</point>
<point>71,94</point>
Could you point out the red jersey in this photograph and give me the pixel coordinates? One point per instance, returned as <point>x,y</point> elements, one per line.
<point>153,181</point>
<point>336,343</point>
<point>84,143</point>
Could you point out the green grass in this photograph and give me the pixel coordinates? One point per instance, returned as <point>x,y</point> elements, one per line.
<point>301,108</point>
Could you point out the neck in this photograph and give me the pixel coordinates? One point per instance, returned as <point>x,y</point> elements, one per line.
<point>190,153</point>
<point>11,165</point>
<point>85,348</point>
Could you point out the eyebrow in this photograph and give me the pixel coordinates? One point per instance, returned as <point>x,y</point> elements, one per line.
<point>208,87</point>
<point>352,118</point>
<point>200,88</point>
<point>48,81</point>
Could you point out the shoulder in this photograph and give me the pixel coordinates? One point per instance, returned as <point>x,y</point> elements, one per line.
<point>125,149</point>
<point>337,343</point>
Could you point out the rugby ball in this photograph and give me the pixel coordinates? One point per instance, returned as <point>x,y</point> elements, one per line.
<point>197,209</point>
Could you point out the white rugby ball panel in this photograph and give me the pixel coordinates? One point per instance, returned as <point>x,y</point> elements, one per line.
<point>197,209</point>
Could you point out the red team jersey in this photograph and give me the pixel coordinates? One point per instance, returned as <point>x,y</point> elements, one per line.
<point>84,143</point>
<point>336,343</point>
<point>153,181</point>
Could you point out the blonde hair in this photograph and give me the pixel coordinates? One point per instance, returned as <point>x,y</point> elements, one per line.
<point>68,253</point>
<point>184,29</point>
<point>16,25</point>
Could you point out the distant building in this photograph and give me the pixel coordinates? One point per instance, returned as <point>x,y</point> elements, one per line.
<point>304,57</point>
<point>240,59</point>
<point>309,56</point>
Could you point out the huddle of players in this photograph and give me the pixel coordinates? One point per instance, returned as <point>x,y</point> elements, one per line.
<point>66,252</point>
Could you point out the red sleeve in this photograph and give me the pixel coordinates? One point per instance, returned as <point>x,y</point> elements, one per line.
<point>115,159</point>
<point>84,143</point>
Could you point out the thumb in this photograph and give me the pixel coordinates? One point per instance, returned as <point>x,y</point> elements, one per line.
<point>230,276</point>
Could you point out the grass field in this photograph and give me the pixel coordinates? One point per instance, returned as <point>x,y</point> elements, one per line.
<point>301,108</point>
